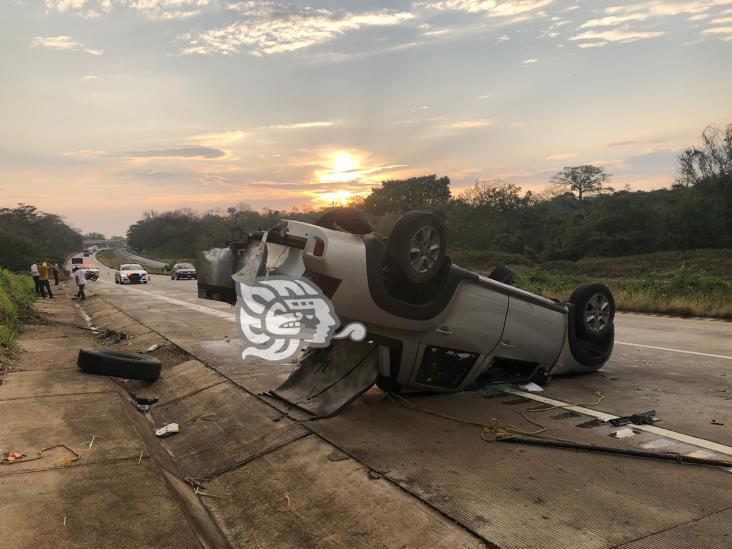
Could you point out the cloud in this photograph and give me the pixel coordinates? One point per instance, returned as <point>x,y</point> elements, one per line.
<point>469,124</point>
<point>269,28</point>
<point>718,30</point>
<point>219,138</point>
<point>300,125</point>
<point>490,7</point>
<point>64,5</point>
<point>183,152</point>
<point>635,142</point>
<point>560,156</point>
<point>616,35</point>
<point>530,61</point>
<point>168,9</point>
<point>62,43</point>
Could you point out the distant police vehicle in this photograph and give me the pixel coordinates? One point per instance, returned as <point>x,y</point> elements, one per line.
<point>131,273</point>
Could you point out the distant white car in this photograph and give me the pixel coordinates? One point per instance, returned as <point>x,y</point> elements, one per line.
<point>130,273</point>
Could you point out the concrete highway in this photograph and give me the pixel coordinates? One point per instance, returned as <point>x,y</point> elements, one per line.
<point>681,368</point>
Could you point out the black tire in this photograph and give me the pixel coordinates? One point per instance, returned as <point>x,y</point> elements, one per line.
<point>123,364</point>
<point>503,274</point>
<point>349,220</point>
<point>595,311</point>
<point>402,260</point>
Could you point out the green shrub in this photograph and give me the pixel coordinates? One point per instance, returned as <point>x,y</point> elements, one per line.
<point>17,294</point>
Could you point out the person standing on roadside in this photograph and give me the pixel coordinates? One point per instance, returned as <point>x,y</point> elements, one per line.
<point>43,271</point>
<point>35,275</point>
<point>55,274</point>
<point>80,278</point>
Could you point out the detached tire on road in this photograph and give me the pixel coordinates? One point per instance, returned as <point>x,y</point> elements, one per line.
<point>123,364</point>
<point>417,247</point>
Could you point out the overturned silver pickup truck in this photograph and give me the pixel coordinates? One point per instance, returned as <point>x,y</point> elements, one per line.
<point>431,326</point>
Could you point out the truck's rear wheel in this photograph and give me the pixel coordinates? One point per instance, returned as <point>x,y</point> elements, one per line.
<point>417,247</point>
<point>595,310</point>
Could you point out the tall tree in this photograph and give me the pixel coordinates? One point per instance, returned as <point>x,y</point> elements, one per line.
<point>712,159</point>
<point>416,193</point>
<point>583,180</point>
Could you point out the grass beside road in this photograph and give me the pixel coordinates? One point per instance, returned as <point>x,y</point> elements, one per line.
<point>112,259</point>
<point>17,294</point>
<point>693,283</point>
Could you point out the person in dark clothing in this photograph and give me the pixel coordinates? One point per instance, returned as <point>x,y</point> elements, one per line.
<point>55,274</point>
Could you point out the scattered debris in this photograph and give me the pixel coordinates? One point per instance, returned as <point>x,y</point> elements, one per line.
<point>566,415</point>
<point>91,443</point>
<point>167,430</point>
<point>12,456</point>
<point>197,487</point>
<point>64,519</point>
<point>144,408</point>
<point>715,422</point>
<point>626,432</point>
<point>140,458</point>
<point>152,348</point>
<point>644,418</point>
<point>206,417</point>
<point>591,423</point>
<point>373,475</point>
<point>531,387</point>
<point>143,400</point>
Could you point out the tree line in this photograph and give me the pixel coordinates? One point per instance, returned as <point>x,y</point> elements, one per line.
<point>27,235</point>
<point>582,217</point>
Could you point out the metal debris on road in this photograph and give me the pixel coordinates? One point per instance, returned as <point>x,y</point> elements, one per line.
<point>644,418</point>
<point>167,430</point>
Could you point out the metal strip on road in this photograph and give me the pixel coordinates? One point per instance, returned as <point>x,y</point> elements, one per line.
<point>604,416</point>
<point>673,350</point>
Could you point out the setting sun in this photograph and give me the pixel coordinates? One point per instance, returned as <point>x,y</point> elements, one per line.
<point>340,167</point>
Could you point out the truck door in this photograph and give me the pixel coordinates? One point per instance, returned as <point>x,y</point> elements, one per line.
<point>467,330</point>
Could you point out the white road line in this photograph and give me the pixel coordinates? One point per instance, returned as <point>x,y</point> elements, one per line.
<point>604,416</point>
<point>673,350</point>
<point>188,305</point>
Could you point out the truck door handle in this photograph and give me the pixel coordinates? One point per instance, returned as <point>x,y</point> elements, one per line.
<point>443,330</point>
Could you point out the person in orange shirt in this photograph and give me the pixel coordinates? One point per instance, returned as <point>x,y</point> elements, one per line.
<point>43,271</point>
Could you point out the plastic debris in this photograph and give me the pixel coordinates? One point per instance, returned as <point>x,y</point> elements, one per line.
<point>151,348</point>
<point>623,433</point>
<point>531,387</point>
<point>167,430</point>
<point>12,456</point>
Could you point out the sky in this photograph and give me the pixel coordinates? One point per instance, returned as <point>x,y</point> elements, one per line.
<point>110,108</point>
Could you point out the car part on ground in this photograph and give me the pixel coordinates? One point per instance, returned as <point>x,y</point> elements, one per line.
<point>438,327</point>
<point>122,364</point>
<point>503,274</point>
<point>349,220</point>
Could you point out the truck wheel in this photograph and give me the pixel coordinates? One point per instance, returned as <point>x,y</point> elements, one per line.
<point>595,310</point>
<point>417,246</point>
<point>123,364</point>
<point>349,220</point>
